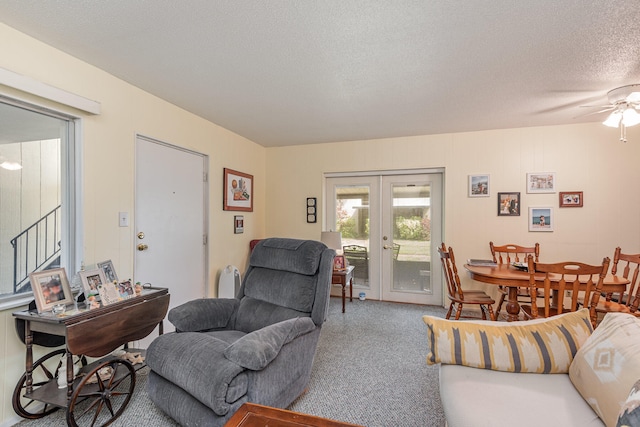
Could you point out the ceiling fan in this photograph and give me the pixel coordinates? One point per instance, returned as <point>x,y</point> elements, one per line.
<point>624,102</point>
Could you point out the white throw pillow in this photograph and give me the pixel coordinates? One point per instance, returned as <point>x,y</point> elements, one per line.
<point>607,365</point>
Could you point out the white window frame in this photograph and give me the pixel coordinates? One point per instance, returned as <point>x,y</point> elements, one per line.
<point>72,217</point>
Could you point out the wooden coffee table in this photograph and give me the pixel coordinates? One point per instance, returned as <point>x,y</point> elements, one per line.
<point>252,415</point>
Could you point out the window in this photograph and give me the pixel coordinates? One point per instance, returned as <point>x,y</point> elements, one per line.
<point>37,195</point>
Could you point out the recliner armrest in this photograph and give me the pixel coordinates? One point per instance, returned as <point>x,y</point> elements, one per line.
<point>203,314</point>
<point>257,349</point>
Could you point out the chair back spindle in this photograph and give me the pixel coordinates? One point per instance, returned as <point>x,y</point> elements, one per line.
<point>584,282</point>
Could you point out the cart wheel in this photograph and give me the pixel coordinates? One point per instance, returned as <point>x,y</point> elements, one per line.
<point>102,395</point>
<point>44,369</point>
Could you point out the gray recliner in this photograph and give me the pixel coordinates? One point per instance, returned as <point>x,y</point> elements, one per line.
<point>258,347</point>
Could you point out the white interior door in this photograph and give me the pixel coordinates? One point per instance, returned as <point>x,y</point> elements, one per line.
<point>396,219</point>
<point>170,222</point>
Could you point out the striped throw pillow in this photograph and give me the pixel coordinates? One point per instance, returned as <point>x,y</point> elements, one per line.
<point>536,346</point>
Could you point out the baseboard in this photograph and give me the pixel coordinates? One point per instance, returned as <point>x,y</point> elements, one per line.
<point>11,421</point>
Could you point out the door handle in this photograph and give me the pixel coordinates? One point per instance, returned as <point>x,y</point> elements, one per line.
<point>386,247</point>
<point>142,247</point>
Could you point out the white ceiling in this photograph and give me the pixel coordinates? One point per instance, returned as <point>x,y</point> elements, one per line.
<point>302,71</point>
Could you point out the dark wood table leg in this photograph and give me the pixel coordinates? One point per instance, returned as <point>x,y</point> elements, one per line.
<point>344,291</point>
<point>351,289</point>
<point>513,307</point>
<point>28,339</point>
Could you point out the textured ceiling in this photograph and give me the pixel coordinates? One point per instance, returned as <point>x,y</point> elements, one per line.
<point>299,71</point>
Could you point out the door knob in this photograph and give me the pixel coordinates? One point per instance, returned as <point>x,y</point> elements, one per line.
<point>142,247</point>
<point>141,235</point>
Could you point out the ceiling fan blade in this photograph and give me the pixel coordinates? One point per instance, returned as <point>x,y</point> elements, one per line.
<point>604,107</point>
<point>604,110</point>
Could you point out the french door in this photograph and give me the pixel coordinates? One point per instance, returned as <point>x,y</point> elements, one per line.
<point>391,224</point>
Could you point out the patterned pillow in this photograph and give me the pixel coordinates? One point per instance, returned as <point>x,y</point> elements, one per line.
<point>607,365</point>
<point>630,413</point>
<point>538,346</point>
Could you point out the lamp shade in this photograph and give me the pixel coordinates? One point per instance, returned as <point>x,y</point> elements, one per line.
<point>333,239</point>
<point>613,120</point>
<point>630,117</point>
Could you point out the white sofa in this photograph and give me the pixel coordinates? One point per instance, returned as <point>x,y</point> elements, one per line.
<point>546,372</point>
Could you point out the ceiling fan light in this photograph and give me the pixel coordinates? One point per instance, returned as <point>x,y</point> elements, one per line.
<point>613,120</point>
<point>633,97</point>
<point>630,117</point>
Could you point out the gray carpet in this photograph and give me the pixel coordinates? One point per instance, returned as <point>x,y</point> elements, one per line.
<point>369,369</point>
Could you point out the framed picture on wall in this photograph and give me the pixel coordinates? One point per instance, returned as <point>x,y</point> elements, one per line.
<point>238,224</point>
<point>237,191</point>
<point>571,199</point>
<point>479,185</point>
<point>541,182</point>
<point>509,204</point>
<point>541,219</point>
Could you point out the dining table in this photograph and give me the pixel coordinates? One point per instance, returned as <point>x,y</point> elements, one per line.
<point>512,278</point>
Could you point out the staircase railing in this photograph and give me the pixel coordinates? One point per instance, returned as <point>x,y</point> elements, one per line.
<point>34,247</point>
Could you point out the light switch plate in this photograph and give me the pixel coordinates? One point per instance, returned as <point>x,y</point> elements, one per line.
<point>123,219</point>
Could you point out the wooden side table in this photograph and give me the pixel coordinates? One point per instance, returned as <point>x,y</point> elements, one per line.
<point>253,415</point>
<point>344,277</point>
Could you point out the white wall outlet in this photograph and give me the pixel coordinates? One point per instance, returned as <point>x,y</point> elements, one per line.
<point>123,219</point>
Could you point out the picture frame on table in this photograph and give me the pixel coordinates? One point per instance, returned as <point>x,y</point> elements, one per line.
<point>91,281</point>
<point>541,219</point>
<point>509,204</point>
<point>109,270</point>
<point>237,191</point>
<point>541,182</point>
<point>479,185</point>
<point>125,289</point>
<point>339,263</point>
<point>109,293</point>
<point>571,199</point>
<point>50,288</point>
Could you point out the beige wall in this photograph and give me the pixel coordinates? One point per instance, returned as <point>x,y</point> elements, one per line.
<point>108,155</point>
<point>585,158</point>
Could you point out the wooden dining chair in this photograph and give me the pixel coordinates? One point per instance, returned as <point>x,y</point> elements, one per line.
<point>627,266</point>
<point>506,254</point>
<point>566,286</point>
<point>456,295</point>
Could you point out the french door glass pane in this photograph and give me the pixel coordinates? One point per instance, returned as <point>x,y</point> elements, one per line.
<point>411,237</point>
<point>352,220</point>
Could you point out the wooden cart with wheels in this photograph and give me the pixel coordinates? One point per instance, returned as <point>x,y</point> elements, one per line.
<point>103,388</point>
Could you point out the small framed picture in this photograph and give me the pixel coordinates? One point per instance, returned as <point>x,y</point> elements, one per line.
<point>509,204</point>
<point>541,219</point>
<point>109,293</point>
<point>50,288</point>
<point>541,182</point>
<point>479,186</point>
<point>339,263</point>
<point>312,210</point>
<point>91,282</point>
<point>109,271</point>
<point>238,224</point>
<point>125,289</point>
<point>571,199</point>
